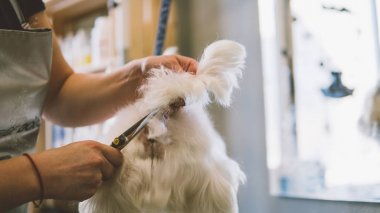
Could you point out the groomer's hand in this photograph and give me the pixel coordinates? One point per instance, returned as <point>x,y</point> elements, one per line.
<point>75,171</point>
<point>174,62</point>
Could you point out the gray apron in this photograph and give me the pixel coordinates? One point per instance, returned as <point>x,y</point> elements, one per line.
<point>25,61</point>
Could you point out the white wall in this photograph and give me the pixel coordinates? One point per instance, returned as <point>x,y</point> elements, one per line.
<point>203,21</point>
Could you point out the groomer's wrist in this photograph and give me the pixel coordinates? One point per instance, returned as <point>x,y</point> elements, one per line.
<point>32,187</point>
<point>50,178</point>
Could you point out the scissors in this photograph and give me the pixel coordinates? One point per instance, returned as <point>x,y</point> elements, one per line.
<point>123,140</point>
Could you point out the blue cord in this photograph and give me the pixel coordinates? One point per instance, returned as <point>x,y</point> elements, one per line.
<point>162,25</point>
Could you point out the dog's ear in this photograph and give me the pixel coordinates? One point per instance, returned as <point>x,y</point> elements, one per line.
<point>218,72</point>
<point>220,67</point>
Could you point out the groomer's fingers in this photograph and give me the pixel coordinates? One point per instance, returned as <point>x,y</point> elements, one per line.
<point>187,64</point>
<point>174,62</point>
<point>114,156</point>
<point>112,159</point>
<point>107,170</point>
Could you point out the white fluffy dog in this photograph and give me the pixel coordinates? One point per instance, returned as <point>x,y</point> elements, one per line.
<point>178,165</point>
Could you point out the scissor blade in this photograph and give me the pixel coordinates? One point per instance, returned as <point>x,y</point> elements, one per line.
<point>123,140</point>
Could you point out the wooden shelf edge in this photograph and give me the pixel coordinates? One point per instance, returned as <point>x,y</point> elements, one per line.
<point>66,9</point>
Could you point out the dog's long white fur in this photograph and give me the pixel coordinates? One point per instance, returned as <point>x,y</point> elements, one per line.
<point>194,175</point>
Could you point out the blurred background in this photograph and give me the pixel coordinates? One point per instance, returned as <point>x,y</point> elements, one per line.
<point>284,117</point>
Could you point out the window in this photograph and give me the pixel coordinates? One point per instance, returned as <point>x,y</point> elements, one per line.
<point>321,73</point>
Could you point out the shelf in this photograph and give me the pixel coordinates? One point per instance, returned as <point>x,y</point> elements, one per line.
<point>67,9</point>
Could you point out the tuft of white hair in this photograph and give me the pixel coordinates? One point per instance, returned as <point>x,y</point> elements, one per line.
<point>220,67</point>
<point>193,172</point>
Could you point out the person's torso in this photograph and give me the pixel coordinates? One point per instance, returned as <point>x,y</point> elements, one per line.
<point>25,61</point>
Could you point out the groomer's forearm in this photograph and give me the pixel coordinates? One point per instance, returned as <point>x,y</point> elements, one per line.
<point>77,99</point>
<point>18,183</point>
<point>90,98</point>
<point>83,99</point>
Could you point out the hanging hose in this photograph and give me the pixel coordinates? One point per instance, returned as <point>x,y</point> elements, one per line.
<point>160,40</point>
<point>162,26</point>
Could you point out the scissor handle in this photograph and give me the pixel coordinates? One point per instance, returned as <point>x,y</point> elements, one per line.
<point>122,140</point>
<point>119,142</point>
